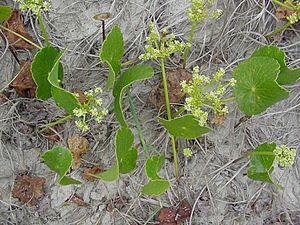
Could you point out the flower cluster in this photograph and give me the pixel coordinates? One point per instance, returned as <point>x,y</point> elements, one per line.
<point>36,6</point>
<point>199,11</point>
<point>285,156</point>
<point>205,92</point>
<point>187,152</point>
<point>161,46</point>
<point>92,106</point>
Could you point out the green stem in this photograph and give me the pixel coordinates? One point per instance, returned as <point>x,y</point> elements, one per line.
<point>168,107</point>
<point>46,127</point>
<point>279,29</point>
<point>228,99</point>
<point>20,36</point>
<point>43,29</point>
<point>129,62</point>
<point>186,51</point>
<point>137,122</point>
<point>180,110</point>
<point>282,4</point>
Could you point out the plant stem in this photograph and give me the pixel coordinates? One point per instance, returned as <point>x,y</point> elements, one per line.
<point>251,153</point>
<point>186,51</point>
<point>279,29</point>
<point>180,110</point>
<point>43,29</point>
<point>137,122</point>
<point>20,36</point>
<point>168,107</point>
<point>282,4</point>
<point>46,127</point>
<point>129,62</point>
<point>228,99</point>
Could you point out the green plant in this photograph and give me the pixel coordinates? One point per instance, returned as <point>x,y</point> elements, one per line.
<point>293,18</point>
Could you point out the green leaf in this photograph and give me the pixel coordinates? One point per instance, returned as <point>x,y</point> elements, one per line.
<point>153,166</point>
<point>186,127</point>
<point>111,53</point>
<point>256,88</point>
<point>63,98</point>
<point>42,64</point>
<point>131,75</point>
<point>126,156</point>
<point>59,160</point>
<point>286,75</point>
<point>109,175</point>
<point>5,13</point>
<point>156,187</point>
<point>261,163</point>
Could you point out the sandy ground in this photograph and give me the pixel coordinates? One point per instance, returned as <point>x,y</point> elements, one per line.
<point>214,185</point>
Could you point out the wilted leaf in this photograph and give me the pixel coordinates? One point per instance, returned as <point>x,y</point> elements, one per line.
<point>185,126</point>
<point>111,53</point>
<point>131,75</point>
<point>78,201</point>
<point>286,75</point>
<point>28,189</point>
<point>5,13</point>
<point>256,88</point>
<point>174,77</point>
<point>156,187</point>
<point>176,216</point>
<point>93,170</point>
<point>126,156</point>
<point>42,65</point>
<point>78,145</point>
<point>261,165</point>
<point>23,83</point>
<point>15,23</point>
<point>59,159</point>
<point>282,13</point>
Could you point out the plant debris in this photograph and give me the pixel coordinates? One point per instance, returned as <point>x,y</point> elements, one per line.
<point>23,83</point>
<point>282,13</point>
<point>78,201</point>
<point>93,170</point>
<point>175,216</point>
<point>51,133</point>
<point>82,97</point>
<point>174,77</point>
<point>15,23</point>
<point>28,189</point>
<point>78,145</point>
<point>218,119</point>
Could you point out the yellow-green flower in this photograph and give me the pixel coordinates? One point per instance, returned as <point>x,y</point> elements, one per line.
<point>285,156</point>
<point>36,6</point>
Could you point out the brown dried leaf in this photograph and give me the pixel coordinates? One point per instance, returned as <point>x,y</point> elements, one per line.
<point>78,200</point>
<point>93,170</point>
<point>15,23</point>
<point>23,83</point>
<point>218,119</point>
<point>175,216</point>
<point>51,135</point>
<point>78,146</point>
<point>174,77</point>
<point>82,97</point>
<point>28,189</point>
<point>282,13</point>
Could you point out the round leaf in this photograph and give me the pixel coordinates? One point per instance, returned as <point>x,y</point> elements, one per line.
<point>156,187</point>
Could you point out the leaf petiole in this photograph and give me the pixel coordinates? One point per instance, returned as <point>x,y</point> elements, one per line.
<point>42,26</point>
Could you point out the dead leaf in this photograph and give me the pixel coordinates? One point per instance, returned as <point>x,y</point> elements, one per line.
<point>175,216</point>
<point>51,135</point>
<point>93,170</point>
<point>78,146</point>
<point>218,119</point>
<point>28,189</point>
<point>15,23</point>
<point>78,200</point>
<point>282,13</point>
<point>82,97</point>
<point>23,83</point>
<point>174,77</point>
